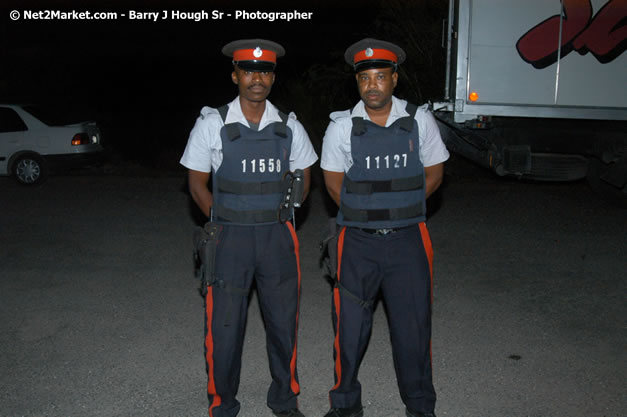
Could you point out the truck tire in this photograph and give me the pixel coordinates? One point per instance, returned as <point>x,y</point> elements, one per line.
<point>607,191</point>
<point>29,169</point>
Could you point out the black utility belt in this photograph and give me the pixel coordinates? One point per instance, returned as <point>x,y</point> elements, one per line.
<point>384,230</point>
<point>250,217</point>
<point>378,215</point>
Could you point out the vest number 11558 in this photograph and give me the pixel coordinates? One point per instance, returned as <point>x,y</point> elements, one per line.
<point>261,165</point>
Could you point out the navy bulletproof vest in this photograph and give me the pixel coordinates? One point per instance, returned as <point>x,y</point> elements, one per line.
<point>247,185</point>
<point>384,188</point>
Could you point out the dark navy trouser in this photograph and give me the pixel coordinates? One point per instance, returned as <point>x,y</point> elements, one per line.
<point>399,264</point>
<point>269,255</point>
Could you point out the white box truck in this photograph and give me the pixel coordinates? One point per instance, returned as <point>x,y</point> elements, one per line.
<point>538,89</point>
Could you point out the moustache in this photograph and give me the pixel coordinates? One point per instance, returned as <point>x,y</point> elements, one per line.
<point>257,85</point>
<point>372,92</point>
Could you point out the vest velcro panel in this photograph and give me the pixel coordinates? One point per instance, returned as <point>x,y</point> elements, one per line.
<point>397,184</point>
<point>238,187</point>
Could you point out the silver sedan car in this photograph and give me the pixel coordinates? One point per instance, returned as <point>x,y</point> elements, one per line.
<point>31,148</point>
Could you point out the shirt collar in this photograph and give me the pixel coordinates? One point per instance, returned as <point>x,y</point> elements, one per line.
<point>397,111</point>
<point>235,114</point>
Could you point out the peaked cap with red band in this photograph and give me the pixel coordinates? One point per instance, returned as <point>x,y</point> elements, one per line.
<point>374,53</point>
<point>254,54</point>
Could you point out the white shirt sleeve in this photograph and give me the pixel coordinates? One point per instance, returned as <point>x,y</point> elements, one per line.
<point>203,148</point>
<point>302,154</point>
<point>336,151</point>
<point>432,148</point>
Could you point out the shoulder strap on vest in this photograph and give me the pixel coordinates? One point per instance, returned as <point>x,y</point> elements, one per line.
<point>223,110</point>
<point>359,127</point>
<point>280,128</point>
<point>232,130</point>
<point>407,122</point>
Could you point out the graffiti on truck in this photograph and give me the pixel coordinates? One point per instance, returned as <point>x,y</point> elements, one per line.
<point>604,35</point>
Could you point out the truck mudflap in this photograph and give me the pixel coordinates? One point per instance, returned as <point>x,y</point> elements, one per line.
<point>557,167</point>
<point>519,161</point>
<point>609,180</point>
<point>616,173</point>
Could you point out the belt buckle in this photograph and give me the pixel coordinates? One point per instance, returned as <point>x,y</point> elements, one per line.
<point>383,232</point>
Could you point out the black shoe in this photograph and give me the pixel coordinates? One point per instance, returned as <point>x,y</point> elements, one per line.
<point>356,411</point>
<point>294,412</point>
<point>412,413</point>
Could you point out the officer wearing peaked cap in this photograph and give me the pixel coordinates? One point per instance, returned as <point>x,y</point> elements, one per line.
<point>374,53</point>
<point>248,148</point>
<point>381,160</point>
<point>254,54</point>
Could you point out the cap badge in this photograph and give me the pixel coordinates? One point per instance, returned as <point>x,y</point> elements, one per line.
<point>257,52</point>
<point>369,52</point>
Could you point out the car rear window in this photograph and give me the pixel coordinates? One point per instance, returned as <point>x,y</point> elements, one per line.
<point>53,116</point>
<point>10,121</point>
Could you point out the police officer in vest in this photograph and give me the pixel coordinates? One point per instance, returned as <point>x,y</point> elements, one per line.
<point>248,147</point>
<point>381,161</point>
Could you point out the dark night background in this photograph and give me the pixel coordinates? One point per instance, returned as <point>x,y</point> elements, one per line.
<point>145,82</point>
<point>101,314</point>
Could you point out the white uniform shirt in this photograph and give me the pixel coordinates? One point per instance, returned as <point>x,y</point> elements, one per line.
<point>336,146</point>
<point>204,146</point>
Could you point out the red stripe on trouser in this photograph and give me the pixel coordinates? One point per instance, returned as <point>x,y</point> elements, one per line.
<point>426,242</point>
<point>293,382</point>
<point>336,300</point>
<point>211,386</point>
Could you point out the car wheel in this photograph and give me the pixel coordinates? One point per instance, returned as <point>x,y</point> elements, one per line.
<point>29,169</point>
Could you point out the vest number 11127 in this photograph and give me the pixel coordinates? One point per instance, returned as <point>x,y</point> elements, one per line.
<point>378,161</point>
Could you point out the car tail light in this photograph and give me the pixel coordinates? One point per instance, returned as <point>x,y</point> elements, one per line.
<point>80,139</point>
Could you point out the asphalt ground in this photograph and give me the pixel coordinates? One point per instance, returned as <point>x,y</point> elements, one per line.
<point>101,314</point>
